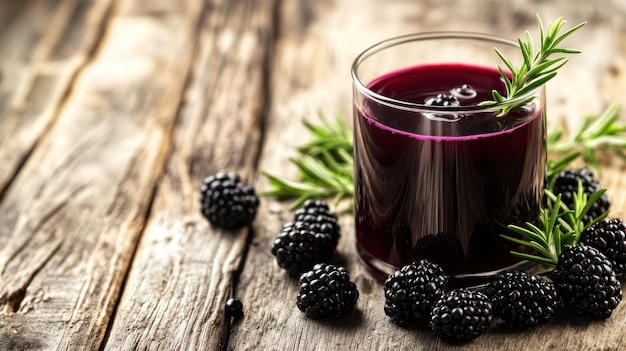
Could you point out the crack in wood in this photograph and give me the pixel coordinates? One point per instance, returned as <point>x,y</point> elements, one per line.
<point>45,218</point>
<point>270,40</point>
<point>11,177</point>
<point>13,301</point>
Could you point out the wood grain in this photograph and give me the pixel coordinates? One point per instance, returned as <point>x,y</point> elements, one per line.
<point>43,45</point>
<point>73,215</point>
<point>185,269</point>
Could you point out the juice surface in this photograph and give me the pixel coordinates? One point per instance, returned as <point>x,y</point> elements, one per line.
<point>443,187</point>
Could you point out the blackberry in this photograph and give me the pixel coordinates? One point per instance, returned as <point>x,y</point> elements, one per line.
<point>319,218</point>
<point>566,184</point>
<point>443,100</point>
<point>609,237</point>
<point>586,282</point>
<point>522,300</point>
<point>233,308</point>
<point>227,202</point>
<point>326,291</point>
<point>297,248</point>
<point>410,292</point>
<point>461,315</point>
<point>442,247</point>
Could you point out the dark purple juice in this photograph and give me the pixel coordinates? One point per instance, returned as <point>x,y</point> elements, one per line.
<point>444,186</point>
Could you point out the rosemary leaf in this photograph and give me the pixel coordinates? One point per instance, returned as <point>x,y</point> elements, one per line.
<point>285,188</point>
<point>533,258</point>
<point>537,68</point>
<point>594,134</point>
<point>516,240</point>
<point>325,164</point>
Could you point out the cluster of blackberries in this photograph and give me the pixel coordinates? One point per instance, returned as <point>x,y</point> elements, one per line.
<point>419,292</point>
<point>303,248</point>
<point>586,279</point>
<point>303,245</point>
<point>583,280</point>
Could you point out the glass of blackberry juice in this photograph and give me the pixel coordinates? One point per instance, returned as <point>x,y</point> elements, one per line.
<point>437,175</point>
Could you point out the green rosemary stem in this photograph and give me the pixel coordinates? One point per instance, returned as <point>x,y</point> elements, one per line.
<point>537,67</point>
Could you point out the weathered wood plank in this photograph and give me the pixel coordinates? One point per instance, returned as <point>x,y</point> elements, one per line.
<point>184,269</point>
<point>316,44</point>
<point>73,216</point>
<point>43,44</point>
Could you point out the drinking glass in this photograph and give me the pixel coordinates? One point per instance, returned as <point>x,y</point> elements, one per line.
<point>438,174</point>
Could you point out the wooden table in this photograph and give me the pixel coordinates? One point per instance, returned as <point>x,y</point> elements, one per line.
<point>113,111</point>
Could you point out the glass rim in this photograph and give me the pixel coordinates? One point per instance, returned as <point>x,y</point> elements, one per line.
<point>438,35</point>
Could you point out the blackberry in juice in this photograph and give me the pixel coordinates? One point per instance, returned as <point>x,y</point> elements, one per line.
<point>443,183</point>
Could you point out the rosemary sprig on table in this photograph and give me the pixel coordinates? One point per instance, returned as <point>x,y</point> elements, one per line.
<point>538,67</point>
<point>325,162</point>
<point>603,132</point>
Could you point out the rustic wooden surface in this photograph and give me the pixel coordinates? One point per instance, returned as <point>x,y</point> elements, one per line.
<point>112,112</point>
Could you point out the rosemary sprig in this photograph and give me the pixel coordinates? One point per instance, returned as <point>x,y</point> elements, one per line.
<point>603,132</point>
<point>544,238</point>
<point>538,67</point>
<point>557,225</point>
<point>573,220</point>
<point>325,164</point>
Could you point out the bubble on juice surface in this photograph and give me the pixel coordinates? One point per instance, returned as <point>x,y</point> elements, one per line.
<point>464,91</point>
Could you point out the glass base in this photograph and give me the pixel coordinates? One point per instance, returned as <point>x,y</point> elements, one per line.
<point>381,270</point>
